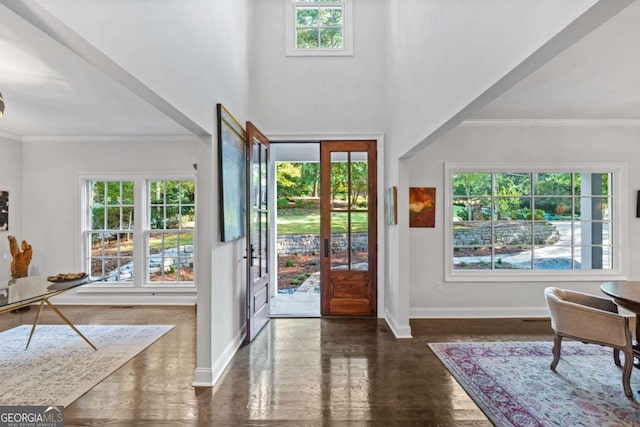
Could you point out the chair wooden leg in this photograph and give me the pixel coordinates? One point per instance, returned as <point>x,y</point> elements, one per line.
<point>616,357</point>
<point>626,371</point>
<point>557,342</point>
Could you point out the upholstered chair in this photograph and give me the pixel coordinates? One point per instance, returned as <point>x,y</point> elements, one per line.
<point>590,319</point>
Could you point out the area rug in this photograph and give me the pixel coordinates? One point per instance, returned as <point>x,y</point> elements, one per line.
<point>59,366</point>
<point>513,385</point>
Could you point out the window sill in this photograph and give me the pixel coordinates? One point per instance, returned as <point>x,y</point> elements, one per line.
<point>319,52</point>
<point>119,288</point>
<point>538,276</point>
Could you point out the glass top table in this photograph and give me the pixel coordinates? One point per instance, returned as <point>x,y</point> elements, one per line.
<point>17,293</point>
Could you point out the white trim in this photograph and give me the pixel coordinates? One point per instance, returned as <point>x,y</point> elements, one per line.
<point>134,298</point>
<point>111,138</point>
<point>551,123</point>
<point>477,312</point>
<point>11,136</point>
<point>117,288</point>
<point>379,138</point>
<point>209,377</point>
<point>620,218</point>
<point>399,331</point>
<point>316,137</point>
<point>290,31</point>
<point>141,223</point>
<point>203,377</point>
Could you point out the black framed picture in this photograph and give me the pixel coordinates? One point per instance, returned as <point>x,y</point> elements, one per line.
<point>4,210</point>
<point>232,167</point>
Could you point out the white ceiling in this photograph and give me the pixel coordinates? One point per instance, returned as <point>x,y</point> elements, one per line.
<point>597,78</point>
<point>50,91</point>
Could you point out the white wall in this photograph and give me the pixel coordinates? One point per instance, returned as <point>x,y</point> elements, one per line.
<point>442,55</point>
<point>11,181</point>
<point>193,54</point>
<point>511,144</point>
<point>445,53</point>
<point>318,94</point>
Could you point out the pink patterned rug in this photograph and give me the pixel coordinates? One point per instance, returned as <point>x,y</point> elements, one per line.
<point>513,385</point>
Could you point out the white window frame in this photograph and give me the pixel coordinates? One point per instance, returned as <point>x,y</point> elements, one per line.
<point>140,233</point>
<point>148,231</point>
<point>347,28</point>
<point>619,220</point>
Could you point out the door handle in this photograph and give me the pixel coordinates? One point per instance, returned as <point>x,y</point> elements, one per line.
<point>326,248</point>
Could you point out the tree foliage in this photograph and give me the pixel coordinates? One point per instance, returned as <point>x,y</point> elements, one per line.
<point>517,195</point>
<point>172,204</point>
<point>296,179</point>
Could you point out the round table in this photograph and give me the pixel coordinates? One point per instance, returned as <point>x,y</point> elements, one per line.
<point>627,295</point>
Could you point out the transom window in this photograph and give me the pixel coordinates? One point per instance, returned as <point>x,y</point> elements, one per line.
<point>532,221</point>
<point>140,231</point>
<point>319,27</point>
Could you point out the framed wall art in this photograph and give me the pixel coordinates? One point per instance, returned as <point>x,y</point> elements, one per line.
<point>390,205</point>
<point>422,207</point>
<point>232,167</point>
<point>4,210</point>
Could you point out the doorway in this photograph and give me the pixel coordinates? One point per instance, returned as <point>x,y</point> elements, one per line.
<point>326,231</point>
<point>296,231</point>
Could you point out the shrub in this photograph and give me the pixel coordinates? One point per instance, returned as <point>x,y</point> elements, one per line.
<point>289,263</point>
<point>294,282</point>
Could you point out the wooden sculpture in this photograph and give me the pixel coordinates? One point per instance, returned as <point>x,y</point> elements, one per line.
<point>21,259</point>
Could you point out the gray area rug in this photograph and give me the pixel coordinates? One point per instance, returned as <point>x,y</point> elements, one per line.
<point>59,366</point>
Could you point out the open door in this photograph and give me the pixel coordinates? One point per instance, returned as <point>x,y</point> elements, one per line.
<point>348,228</point>
<point>257,232</point>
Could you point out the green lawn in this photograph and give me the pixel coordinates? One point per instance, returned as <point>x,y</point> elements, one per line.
<point>310,224</point>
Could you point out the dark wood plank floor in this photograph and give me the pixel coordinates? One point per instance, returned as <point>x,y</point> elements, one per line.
<point>298,372</point>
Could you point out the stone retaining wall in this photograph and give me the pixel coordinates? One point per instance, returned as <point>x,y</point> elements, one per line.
<point>505,234</point>
<point>310,243</point>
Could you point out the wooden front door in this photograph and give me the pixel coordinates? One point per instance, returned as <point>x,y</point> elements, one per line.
<point>257,232</point>
<point>348,228</point>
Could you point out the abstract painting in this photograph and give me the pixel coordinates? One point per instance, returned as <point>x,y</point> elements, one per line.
<point>232,166</point>
<point>390,205</point>
<point>422,207</point>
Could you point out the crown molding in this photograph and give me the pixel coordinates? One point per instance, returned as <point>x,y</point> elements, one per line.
<point>551,122</point>
<point>321,136</point>
<point>10,136</point>
<point>111,138</point>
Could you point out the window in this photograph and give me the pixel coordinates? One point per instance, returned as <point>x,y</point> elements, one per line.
<point>110,230</point>
<point>140,231</point>
<point>542,222</point>
<point>170,236</point>
<point>319,27</point>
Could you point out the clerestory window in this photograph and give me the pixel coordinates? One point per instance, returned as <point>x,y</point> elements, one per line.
<point>543,222</point>
<point>319,27</point>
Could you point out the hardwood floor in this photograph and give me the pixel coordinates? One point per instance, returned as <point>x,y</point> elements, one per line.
<point>298,372</point>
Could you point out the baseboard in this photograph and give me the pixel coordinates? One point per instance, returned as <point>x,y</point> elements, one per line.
<point>477,312</point>
<point>209,377</point>
<point>400,331</point>
<point>128,299</point>
<point>202,377</point>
